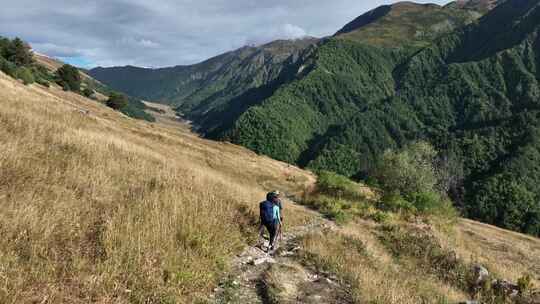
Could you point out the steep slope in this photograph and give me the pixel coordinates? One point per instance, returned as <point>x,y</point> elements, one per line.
<point>100,208</point>
<point>197,88</point>
<point>134,108</point>
<point>104,209</point>
<point>407,24</point>
<point>473,93</point>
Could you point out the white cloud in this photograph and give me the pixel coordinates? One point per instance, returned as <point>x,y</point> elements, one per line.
<point>169,32</point>
<point>133,42</point>
<point>55,50</point>
<point>291,31</point>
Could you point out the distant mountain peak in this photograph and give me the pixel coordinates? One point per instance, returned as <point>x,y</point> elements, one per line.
<point>413,23</point>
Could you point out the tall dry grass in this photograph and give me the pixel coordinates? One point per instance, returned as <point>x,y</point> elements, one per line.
<point>102,208</point>
<point>357,256</point>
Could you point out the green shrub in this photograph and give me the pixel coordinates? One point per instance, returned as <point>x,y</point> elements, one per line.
<point>410,181</point>
<point>43,82</point>
<point>117,101</point>
<point>333,208</point>
<point>425,201</point>
<point>396,203</point>
<point>8,67</point>
<point>25,74</point>
<point>410,170</point>
<point>87,92</point>
<point>69,78</point>
<point>525,284</point>
<point>338,186</point>
<point>380,216</point>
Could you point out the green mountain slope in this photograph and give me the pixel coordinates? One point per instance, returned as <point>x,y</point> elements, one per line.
<point>197,88</point>
<point>408,23</point>
<point>473,93</point>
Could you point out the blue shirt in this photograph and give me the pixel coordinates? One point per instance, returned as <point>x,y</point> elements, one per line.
<point>276,215</point>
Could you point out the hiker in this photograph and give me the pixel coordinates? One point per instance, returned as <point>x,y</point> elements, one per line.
<point>270,214</point>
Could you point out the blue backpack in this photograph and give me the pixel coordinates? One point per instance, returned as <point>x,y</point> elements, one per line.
<point>267,214</point>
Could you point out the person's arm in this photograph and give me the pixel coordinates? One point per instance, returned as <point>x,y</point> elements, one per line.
<point>277,214</point>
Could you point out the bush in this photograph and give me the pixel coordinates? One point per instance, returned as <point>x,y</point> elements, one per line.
<point>87,92</point>
<point>43,82</point>
<point>26,75</point>
<point>8,67</point>
<point>396,203</point>
<point>117,101</point>
<point>380,216</point>
<point>69,78</point>
<point>410,170</point>
<point>338,186</point>
<point>410,181</point>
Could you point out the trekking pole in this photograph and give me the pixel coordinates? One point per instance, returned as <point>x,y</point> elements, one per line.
<point>281,232</point>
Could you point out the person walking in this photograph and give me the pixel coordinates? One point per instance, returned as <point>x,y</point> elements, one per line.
<point>270,216</point>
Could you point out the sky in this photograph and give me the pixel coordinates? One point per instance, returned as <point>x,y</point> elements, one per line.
<point>168,32</point>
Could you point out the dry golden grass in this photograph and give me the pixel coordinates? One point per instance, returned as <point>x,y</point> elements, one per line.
<point>356,254</point>
<point>102,208</point>
<point>506,253</point>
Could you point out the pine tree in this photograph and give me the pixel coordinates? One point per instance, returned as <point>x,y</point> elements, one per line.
<point>19,53</point>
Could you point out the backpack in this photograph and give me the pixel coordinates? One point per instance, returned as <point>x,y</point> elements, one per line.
<point>266,210</point>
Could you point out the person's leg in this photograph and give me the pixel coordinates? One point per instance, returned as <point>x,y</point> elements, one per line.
<point>269,229</point>
<point>272,231</point>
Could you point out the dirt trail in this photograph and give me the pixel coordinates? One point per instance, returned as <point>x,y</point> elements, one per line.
<point>258,277</point>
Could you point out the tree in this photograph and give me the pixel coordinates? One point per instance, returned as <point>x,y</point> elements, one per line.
<point>87,92</point>
<point>26,75</point>
<point>504,201</point>
<point>410,170</point>
<point>19,53</point>
<point>69,78</point>
<point>117,101</point>
<point>4,43</point>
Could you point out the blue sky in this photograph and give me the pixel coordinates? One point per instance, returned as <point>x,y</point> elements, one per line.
<point>168,32</point>
<point>78,61</point>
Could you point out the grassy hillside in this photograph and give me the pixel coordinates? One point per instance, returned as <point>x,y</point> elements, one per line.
<point>408,24</point>
<point>472,93</point>
<point>197,88</point>
<point>97,207</point>
<point>134,108</point>
<point>100,208</point>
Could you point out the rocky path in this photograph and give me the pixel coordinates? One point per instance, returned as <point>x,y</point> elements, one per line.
<point>258,277</point>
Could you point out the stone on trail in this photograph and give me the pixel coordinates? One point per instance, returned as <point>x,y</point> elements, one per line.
<point>263,260</point>
<point>480,274</point>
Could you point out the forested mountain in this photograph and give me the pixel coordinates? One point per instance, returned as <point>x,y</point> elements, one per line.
<point>473,93</point>
<point>197,88</point>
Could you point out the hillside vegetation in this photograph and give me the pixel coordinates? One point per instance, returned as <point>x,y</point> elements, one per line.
<point>408,24</point>
<point>195,89</point>
<point>98,207</point>
<point>473,94</point>
<point>92,88</point>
